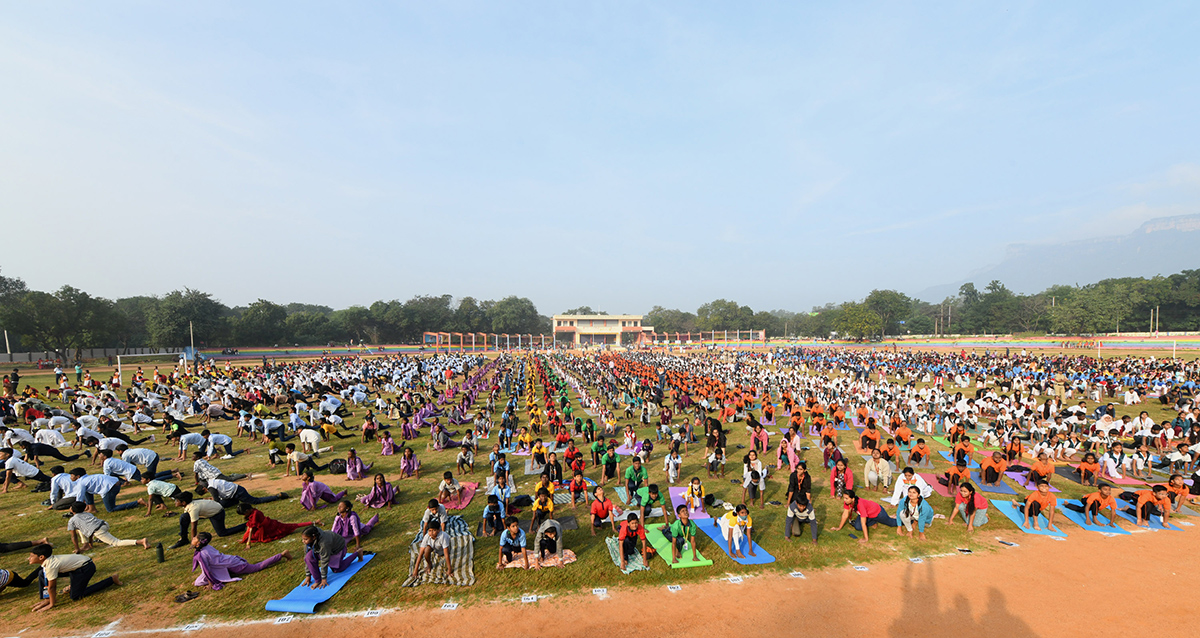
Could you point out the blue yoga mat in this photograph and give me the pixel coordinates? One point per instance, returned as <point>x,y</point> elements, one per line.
<point>1131,516</point>
<point>1009,510</point>
<point>1002,488</point>
<point>950,457</point>
<point>303,600</point>
<point>710,529</point>
<point>1080,520</point>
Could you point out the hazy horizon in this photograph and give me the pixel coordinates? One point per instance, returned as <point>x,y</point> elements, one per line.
<point>612,155</point>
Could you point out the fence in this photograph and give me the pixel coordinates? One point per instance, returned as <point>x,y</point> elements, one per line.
<point>85,353</point>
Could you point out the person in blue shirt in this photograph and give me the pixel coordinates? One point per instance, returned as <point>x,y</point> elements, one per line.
<point>502,491</point>
<point>512,540</point>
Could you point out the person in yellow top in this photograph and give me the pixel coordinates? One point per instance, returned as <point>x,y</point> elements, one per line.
<point>736,528</point>
<point>524,440</point>
<point>539,452</point>
<point>694,496</point>
<point>543,508</point>
<point>544,483</point>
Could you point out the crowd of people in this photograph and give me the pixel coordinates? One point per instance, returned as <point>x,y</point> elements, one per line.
<point>870,428</point>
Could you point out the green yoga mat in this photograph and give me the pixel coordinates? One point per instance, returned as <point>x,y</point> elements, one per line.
<point>655,537</point>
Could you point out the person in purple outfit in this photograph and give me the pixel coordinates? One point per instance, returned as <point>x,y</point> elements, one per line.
<point>217,569</point>
<point>350,526</point>
<point>355,468</point>
<point>382,494</point>
<point>315,491</point>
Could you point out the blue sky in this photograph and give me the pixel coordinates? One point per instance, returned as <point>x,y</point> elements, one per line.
<point>614,154</point>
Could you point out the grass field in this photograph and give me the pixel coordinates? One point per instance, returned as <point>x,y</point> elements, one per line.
<point>145,599</point>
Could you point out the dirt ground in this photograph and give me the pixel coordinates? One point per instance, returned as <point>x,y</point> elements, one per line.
<point>1085,585</point>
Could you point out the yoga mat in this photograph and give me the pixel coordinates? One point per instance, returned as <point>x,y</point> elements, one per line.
<point>624,496</point>
<point>518,561</point>
<point>464,497</point>
<point>710,529</point>
<point>625,450</point>
<point>1069,474</point>
<point>303,600</point>
<point>1002,488</point>
<point>655,537</point>
<point>950,457</point>
<point>1020,479</point>
<point>633,564</point>
<point>1079,519</point>
<point>677,499</point>
<point>1131,516</point>
<point>531,469</point>
<point>941,440</point>
<point>938,488</point>
<point>1010,510</point>
<point>1115,481</point>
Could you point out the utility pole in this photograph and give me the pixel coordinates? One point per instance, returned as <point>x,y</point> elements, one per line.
<point>192,336</point>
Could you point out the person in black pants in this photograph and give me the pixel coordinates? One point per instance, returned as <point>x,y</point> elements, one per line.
<point>12,547</point>
<point>13,579</point>
<point>80,568</point>
<point>34,452</point>
<point>114,433</point>
<point>196,509</point>
<point>229,493</point>
<point>302,461</point>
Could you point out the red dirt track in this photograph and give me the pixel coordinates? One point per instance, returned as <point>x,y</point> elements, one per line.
<point>1086,585</point>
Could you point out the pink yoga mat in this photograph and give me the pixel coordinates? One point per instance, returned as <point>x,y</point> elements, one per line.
<point>464,497</point>
<point>677,499</point>
<point>931,479</point>
<point>1021,481</point>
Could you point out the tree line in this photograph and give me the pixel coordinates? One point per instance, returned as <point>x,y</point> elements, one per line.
<point>69,318</point>
<point>1111,305</point>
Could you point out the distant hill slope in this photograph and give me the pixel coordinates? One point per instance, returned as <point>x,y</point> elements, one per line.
<point>1159,247</point>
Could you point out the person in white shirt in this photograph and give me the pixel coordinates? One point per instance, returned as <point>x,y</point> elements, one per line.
<point>115,466</point>
<point>17,471</point>
<point>216,441</point>
<point>188,440</point>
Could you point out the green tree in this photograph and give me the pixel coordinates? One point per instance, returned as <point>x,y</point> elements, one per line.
<point>168,321</point>
<point>516,315</point>
<point>308,328</point>
<point>672,320</point>
<point>891,306</point>
<point>469,316</point>
<point>62,322</point>
<point>261,324</point>
<point>723,314</point>
<point>858,321</point>
<point>584,310</point>
<point>135,327</point>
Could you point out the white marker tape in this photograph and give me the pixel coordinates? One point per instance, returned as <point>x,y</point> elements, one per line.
<point>917,561</point>
<point>1057,538</point>
<point>103,634</point>
<point>529,599</point>
<point>450,606</point>
<point>796,575</point>
<point>196,626</point>
<point>599,591</point>
<point>372,613</point>
<point>283,620</point>
<point>673,588</point>
<point>735,579</point>
<point>859,568</point>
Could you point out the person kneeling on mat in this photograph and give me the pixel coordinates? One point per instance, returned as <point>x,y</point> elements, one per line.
<point>1039,502</point>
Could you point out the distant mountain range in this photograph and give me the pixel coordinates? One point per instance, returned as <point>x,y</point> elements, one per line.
<point>1161,246</point>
